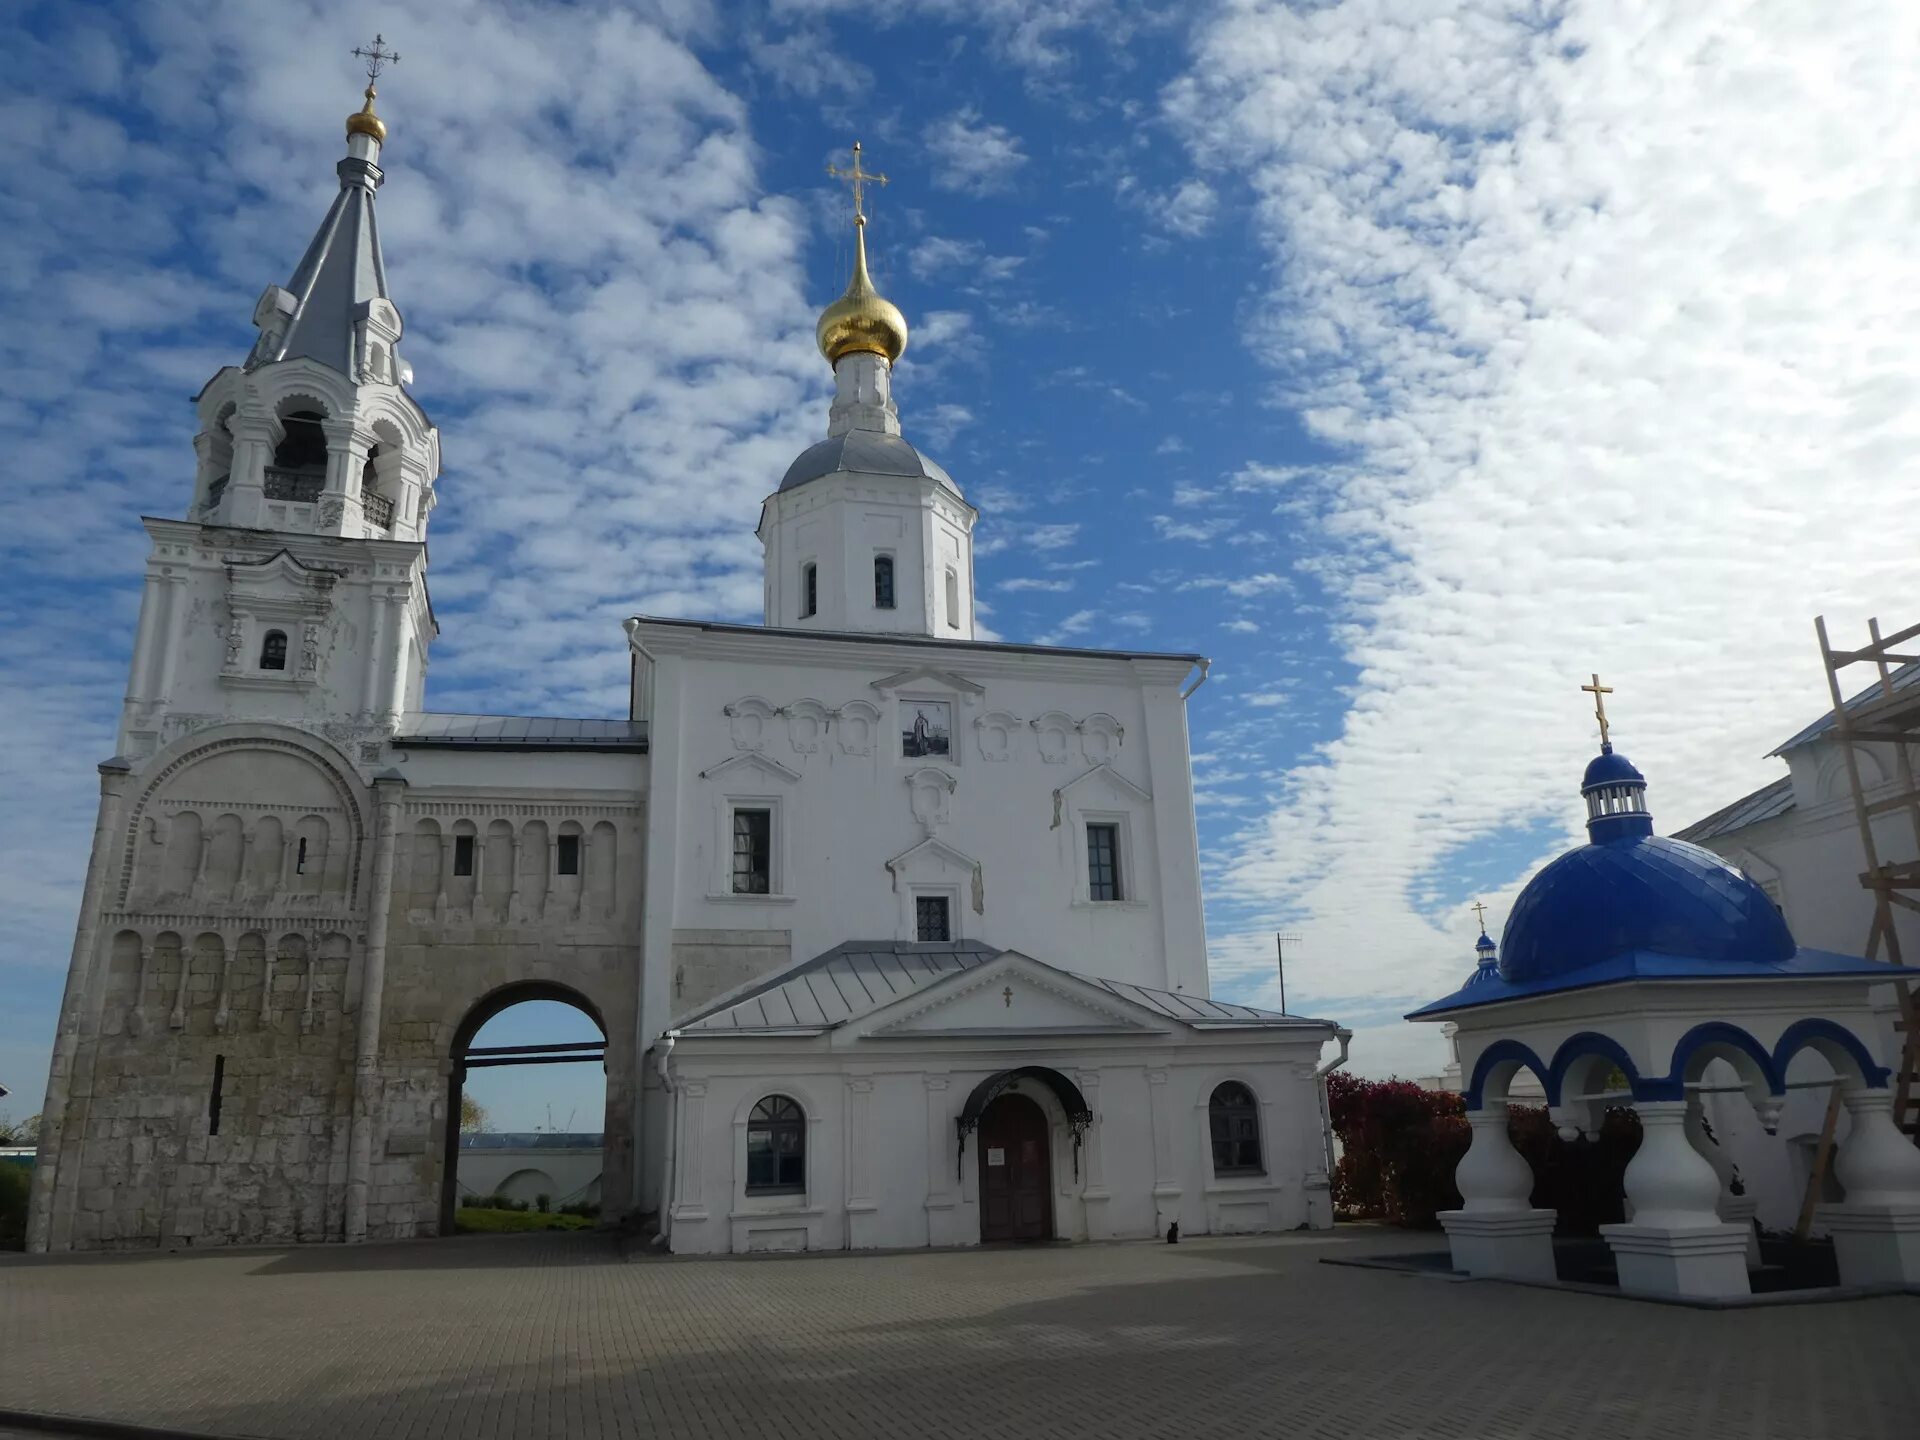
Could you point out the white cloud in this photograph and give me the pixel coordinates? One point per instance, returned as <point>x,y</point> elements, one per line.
<point>938,257</point>
<point>1078,623</point>
<point>1599,305</point>
<point>1028,582</point>
<point>972,155</point>
<point>1202,531</point>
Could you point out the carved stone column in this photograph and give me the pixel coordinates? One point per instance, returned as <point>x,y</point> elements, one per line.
<point>137,1017</point>
<point>1093,1164</point>
<point>1166,1181</point>
<point>388,791</point>
<point>1497,1231</point>
<point>513,875</point>
<point>1876,1232</point>
<point>177,1019</point>
<point>1676,1244</point>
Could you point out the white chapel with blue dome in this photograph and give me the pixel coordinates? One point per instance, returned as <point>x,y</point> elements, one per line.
<point>1646,958</point>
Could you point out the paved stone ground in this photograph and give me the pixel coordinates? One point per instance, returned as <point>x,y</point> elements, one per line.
<point>537,1336</point>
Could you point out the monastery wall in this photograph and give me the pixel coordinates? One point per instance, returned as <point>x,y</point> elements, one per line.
<point>208,1073</point>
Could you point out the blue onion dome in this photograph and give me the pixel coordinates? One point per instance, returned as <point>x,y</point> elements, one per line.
<point>1630,890</point>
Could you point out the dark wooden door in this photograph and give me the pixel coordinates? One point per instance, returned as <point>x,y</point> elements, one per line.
<point>1016,1179</point>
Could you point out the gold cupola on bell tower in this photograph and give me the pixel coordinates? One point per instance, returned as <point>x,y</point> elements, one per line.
<point>862,320</point>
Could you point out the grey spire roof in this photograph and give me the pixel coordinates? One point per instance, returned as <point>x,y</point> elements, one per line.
<point>863,452</point>
<point>341,272</point>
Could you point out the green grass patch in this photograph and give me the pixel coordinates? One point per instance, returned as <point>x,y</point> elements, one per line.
<point>472,1220</point>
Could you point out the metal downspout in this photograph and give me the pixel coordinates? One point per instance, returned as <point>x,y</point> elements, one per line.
<point>1345,1037</point>
<point>663,1063</point>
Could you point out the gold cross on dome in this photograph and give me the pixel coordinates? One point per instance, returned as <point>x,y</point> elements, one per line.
<point>377,58</point>
<point>1480,913</point>
<point>1599,693</point>
<point>858,179</point>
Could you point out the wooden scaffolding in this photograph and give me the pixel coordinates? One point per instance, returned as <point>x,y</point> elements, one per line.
<point>1885,713</point>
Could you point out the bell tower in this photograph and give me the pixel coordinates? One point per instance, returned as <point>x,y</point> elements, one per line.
<point>294,589</point>
<point>865,533</point>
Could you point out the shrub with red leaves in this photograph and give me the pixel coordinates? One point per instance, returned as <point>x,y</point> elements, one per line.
<point>1400,1144</point>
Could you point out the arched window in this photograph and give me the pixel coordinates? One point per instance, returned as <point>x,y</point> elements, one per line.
<point>776,1148</point>
<point>883,582</point>
<point>303,445</point>
<point>273,651</point>
<point>1233,1117</point>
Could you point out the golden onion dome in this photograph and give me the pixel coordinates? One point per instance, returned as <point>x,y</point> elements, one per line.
<point>364,122</point>
<point>861,320</point>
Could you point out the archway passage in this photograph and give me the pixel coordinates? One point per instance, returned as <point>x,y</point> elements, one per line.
<point>470,1058</point>
<point>1016,1171</point>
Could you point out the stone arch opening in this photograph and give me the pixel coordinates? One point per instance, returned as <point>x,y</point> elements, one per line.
<point>548,1145</point>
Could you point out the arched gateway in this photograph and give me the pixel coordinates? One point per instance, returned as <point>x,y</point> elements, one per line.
<point>465,1056</point>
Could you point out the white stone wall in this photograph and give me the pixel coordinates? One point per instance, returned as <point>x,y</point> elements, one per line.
<point>883,1164</point>
<point>354,614</point>
<point>811,729</point>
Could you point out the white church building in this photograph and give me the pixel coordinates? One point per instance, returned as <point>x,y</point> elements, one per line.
<point>894,934</point>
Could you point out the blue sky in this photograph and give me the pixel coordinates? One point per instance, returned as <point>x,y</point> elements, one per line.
<point>1411,360</point>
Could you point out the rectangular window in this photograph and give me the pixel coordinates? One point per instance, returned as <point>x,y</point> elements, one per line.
<point>809,590</point>
<point>883,582</point>
<point>463,854</point>
<point>1103,862</point>
<point>953,599</point>
<point>300,857</point>
<point>752,852</point>
<point>930,918</point>
<point>569,855</point>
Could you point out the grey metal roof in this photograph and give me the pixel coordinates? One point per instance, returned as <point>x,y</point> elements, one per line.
<point>936,642</point>
<point>863,452</point>
<point>860,976</point>
<point>1903,678</point>
<point>518,732</point>
<point>1766,803</point>
<point>340,273</point>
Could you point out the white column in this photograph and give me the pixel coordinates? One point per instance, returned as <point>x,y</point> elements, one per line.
<point>1676,1244</point>
<point>176,583</point>
<point>942,1150</point>
<point>688,1182</point>
<point>1166,1183</point>
<point>856,1142</point>
<point>1876,1231</point>
<point>178,1018</point>
<point>137,1020</point>
<point>1093,1165</point>
<point>1497,1231</point>
<point>513,874</point>
<point>376,642</point>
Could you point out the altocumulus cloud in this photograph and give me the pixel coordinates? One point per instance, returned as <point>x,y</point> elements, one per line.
<point>1609,310</point>
<point>601,301</point>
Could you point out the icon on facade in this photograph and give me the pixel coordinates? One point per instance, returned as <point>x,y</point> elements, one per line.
<point>927,729</point>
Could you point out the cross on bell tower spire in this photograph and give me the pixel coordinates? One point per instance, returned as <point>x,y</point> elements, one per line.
<point>857,180</point>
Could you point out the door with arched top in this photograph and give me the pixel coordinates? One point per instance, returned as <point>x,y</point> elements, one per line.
<point>1016,1171</point>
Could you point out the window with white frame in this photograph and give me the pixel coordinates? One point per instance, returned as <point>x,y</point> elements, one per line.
<point>752,827</point>
<point>1103,861</point>
<point>932,917</point>
<point>883,582</point>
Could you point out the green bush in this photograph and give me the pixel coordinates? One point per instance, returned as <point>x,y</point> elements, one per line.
<point>15,1180</point>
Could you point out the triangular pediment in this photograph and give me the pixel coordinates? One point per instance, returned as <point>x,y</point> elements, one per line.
<point>1105,774</point>
<point>927,856</point>
<point>925,674</point>
<point>751,761</point>
<point>1012,995</point>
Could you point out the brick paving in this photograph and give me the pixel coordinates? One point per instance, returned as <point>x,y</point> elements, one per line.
<point>538,1336</point>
